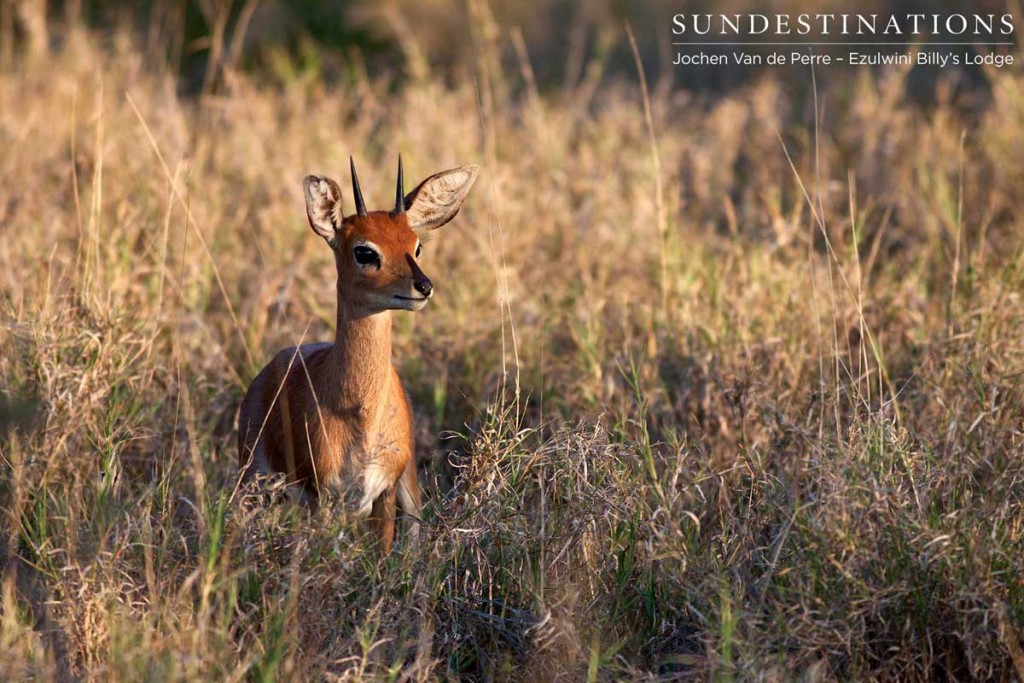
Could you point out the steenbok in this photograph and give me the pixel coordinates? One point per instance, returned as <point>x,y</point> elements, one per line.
<point>331,415</point>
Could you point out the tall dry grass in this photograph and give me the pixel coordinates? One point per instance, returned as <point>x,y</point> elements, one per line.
<point>779,439</point>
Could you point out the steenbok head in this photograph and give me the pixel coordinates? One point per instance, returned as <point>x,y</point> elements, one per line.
<point>377,252</point>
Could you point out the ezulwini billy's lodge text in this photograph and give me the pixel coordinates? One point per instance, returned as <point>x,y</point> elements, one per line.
<point>870,58</point>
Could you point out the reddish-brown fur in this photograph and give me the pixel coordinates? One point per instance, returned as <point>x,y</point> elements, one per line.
<point>330,415</point>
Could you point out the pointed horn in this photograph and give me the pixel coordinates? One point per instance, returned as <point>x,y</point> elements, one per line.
<point>399,190</point>
<point>360,204</point>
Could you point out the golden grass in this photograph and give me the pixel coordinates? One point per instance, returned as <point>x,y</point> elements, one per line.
<point>779,437</point>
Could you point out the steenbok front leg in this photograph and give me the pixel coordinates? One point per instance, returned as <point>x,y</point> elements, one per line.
<point>383,517</point>
<point>409,499</point>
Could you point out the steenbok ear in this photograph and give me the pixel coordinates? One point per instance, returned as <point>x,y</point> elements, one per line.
<point>323,206</point>
<point>438,198</point>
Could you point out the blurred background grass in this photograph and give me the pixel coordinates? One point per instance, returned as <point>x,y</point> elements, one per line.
<point>567,40</point>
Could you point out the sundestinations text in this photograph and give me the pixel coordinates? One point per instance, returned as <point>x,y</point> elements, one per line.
<point>843,24</point>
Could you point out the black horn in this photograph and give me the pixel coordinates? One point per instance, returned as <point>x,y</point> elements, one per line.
<point>360,204</point>
<point>399,190</point>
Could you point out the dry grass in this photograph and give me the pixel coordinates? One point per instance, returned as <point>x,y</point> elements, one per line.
<point>780,439</point>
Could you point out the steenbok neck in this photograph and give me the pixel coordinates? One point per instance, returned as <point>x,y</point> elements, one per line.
<point>361,354</point>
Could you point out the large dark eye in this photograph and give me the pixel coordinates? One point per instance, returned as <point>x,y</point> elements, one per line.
<point>365,256</point>
<point>419,250</point>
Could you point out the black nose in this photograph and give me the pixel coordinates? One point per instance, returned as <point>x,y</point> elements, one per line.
<point>424,286</point>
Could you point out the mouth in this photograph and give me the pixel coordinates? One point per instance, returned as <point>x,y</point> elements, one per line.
<point>409,303</point>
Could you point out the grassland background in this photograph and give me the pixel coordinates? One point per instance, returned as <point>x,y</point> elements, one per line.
<point>721,388</point>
